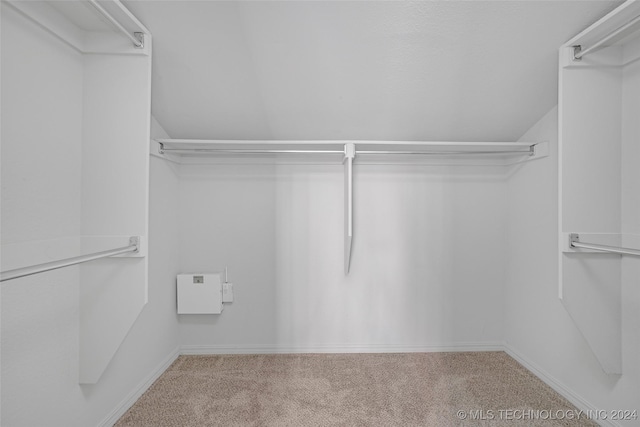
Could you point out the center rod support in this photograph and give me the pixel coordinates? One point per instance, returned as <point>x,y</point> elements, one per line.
<point>349,155</point>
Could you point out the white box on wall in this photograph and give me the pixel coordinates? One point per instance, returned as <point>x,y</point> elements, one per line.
<point>200,293</point>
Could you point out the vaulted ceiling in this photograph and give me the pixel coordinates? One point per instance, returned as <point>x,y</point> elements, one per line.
<point>376,70</point>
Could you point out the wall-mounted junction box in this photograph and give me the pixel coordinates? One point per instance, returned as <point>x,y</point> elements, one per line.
<point>200,293</point>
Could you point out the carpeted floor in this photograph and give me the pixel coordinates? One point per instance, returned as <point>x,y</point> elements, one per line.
<point>409,389</point>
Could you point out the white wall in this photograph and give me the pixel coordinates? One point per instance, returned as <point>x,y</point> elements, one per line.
<point>427,266</point>
<point>537,326</point>
<point>41,207</point>
<point>41,219</point>
<point>153,340</point>
<point>629,384</point>
<point>41,134</point>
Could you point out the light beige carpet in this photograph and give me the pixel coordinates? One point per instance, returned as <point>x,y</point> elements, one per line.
<point>409,389</point>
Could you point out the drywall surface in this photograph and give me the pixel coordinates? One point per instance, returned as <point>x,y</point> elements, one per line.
<point>154,337</point>
<point>41,206</point>
<point>628,387</point>
<point>41,134</point>
<point>388,70</point>
<point>537,326</point>
<point>427,265</point>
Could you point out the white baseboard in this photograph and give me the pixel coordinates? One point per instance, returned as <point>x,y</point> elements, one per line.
<point>128,401</point>
<point>577,400</point>
<point>338,348</point>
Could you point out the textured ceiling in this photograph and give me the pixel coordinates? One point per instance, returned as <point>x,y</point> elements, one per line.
<point>427,70</point>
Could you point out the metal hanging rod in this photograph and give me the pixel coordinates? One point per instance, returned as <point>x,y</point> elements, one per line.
<point>210,142</point>
<point>365,152</point>
<point>444,147</point>
<point>137,38</point>
<point>529,152</point>
<point>246,151</point>
<point>579,52</point>
<point>134,246</point>
<point>574,242</point>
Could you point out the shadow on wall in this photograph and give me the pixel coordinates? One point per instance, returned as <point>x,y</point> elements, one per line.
<point>427,266</point>
<point>422,274</point>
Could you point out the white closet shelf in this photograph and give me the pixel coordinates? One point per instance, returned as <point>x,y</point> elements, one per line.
<point>618,26</point>
<point>89,26</point>
<point>507,152</point>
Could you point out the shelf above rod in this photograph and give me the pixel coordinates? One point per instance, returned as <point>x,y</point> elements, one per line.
<point>134,246</point>
<point>185,146</point>
<point>244,151</point>
<point>579,52</point>
<point>528,152</point>
<point>574,243</point>
<point>137,38</point>
<point>338,142</point>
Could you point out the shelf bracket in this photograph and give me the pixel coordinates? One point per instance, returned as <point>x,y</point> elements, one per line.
<point>140,37</point>
<point>349,155</point>
<point>577,53</point>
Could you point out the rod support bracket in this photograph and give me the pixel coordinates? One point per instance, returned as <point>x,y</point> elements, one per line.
<point>140,37</point>
<point>576,53</point>
<point>349,151</point>
<point>135,241</point>
<point>573,238</point>
<point>161,147</point>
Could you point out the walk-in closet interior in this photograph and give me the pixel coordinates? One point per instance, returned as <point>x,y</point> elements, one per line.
<point>347,177</point>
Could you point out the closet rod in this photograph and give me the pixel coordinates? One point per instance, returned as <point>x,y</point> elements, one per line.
<point>240,151</point>
<point>209,147</point>
<point>579,52</point>
<point>267,142</point>
<point>137,38</point>
<point>249,151</point>
<point>529,152</point>
<point>574,242</point>
<point>134,246</point>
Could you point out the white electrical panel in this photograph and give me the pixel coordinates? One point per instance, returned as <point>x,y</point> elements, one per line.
<point>200,293</point>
